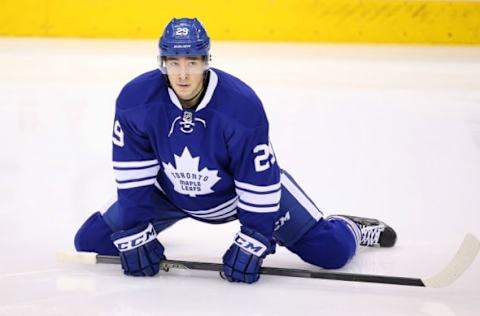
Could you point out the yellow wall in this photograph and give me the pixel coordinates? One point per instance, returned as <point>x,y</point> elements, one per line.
<point>378,21</point>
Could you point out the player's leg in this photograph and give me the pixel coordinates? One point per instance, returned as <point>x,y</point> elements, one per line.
<point>329,244</point>
<point>304,231</point>
<point>325,242</point>
<point>94,234</point>
<point>333,241</point>
<point>374,233</point>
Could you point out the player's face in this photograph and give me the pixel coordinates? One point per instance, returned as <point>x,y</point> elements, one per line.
<point>186,75</point>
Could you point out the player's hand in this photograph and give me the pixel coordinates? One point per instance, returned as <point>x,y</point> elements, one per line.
<point>140,251</point>
<point>243,260</point>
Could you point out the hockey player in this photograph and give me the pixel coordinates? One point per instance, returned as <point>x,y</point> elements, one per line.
<point>192,141</point>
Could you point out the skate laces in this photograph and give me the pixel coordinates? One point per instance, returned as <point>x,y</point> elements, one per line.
<point>371,234</point>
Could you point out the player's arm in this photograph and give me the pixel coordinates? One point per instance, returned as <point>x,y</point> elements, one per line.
<point>257,182</point>
<point>135,168</point>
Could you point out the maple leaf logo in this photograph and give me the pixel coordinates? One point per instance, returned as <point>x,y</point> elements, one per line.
<point>187,179</point>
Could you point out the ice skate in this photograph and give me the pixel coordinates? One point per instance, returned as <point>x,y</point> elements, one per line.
<point>375,233</point>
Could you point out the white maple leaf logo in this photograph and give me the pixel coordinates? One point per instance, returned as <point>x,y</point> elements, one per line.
<point>187,179</point>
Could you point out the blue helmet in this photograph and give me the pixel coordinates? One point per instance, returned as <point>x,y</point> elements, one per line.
<point>184,37</point>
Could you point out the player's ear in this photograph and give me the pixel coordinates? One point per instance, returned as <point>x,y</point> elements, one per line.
<point>207,59</point>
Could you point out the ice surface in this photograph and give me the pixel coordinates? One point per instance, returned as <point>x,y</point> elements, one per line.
<point>384,131</point>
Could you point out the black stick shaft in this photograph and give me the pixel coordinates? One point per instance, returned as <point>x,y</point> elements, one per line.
<point>299,273</point>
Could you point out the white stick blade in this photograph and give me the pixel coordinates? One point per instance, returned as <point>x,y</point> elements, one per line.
<point>463,259</point>
<point>77,257</point>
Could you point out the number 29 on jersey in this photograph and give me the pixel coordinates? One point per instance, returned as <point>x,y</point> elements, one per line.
<point>264,157</point>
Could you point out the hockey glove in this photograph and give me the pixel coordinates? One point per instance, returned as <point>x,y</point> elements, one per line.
<point>140,251</point>
<point>243,260</point>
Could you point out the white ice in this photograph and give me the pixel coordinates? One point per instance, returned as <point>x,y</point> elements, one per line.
<point>382,131</point>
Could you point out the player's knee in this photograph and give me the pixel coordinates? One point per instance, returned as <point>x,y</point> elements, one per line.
<point>330,247</point>
<point>94,236</point>
<point>334,254</point>
<point>338,252</point>
<point>342,246</point>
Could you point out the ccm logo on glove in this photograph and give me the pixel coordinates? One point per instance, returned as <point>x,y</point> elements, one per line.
<point>249,244</point>
<point>137,240</point>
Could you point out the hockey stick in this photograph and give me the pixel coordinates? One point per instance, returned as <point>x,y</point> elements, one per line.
<point>463,259</point>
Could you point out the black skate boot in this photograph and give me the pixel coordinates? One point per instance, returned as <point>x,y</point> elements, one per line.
<point>374,232</point>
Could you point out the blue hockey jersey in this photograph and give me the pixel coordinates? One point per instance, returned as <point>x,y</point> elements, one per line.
<point>214,163</point>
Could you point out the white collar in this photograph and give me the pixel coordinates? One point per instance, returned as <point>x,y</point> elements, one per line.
<point>212,84</point>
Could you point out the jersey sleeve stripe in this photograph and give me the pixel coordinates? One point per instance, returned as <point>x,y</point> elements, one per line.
<point>135,164</point>
<point>258,209</point>
<point>257,205</point>
<point>257,188</point>
<point>136,180</point>
<point>125,175</point>
<point>135,184</point>
<point>259,199</point>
